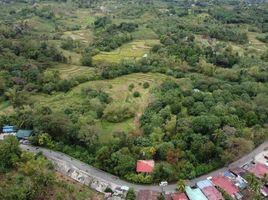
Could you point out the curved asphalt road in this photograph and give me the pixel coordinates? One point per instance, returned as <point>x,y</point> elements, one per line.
<point>114,179</point>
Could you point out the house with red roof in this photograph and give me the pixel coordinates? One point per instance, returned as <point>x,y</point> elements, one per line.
<point>226,184</point>
<point>209,190</point>
<point>258,169</point>
<point>147,194</point>
<point>145,166</point>
<point>179,196</point>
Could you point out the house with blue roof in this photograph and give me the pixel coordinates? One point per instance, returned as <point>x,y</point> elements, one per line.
<point>203,184</point>
<point>8,129</point>
<point>195,193</point>
<point>24,134</point>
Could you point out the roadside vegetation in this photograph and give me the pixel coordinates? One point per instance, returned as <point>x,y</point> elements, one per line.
<point>184,85</point>
<point>24,175</point>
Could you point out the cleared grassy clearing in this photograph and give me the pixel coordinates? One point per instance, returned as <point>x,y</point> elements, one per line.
<point>144,33</point>
<point>118,89</point>
<point>40,25</point>
<point>255,43</point>
<point>252,47</point>
<point>132,50</point>
<point>85,36</point>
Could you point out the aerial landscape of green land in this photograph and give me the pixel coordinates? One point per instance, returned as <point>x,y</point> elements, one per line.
<point>110,82</point>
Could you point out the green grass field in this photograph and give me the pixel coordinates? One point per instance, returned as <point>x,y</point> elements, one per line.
<point>133,50</point>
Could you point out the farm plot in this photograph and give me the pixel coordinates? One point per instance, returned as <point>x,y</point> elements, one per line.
<point>133,50</point>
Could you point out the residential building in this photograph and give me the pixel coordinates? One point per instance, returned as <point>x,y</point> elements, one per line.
<point>227,185</point>
<point>258,169</point>
<point>24,134</point>
<point>147,194</point>
<point>146,166</point>
<point>179,196</point>
<point>209,190</point>
<point>195,193</point>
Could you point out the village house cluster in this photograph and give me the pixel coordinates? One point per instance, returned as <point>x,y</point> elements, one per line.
<point>232,182</point>
<point>22,135</point>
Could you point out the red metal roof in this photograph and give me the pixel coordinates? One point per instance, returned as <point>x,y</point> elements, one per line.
<point>148,195</point>
<point>212,193</point>
<point>225,184</point>
<point>145,166</point>
<point>258,170</point>
<point>179,196</point>
<point>168,197</point>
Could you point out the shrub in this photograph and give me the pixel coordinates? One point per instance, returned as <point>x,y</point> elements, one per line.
<point>118,112</point>
<point>136,94</point>
<point>146,85</point>
<point>131,86</point>
<point>86,59</point>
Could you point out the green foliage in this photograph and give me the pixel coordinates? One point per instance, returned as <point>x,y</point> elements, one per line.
<point>210,110</point>
<point>102,22</point>
<point>225,194</point>
<point>9,153</point>
<point>118,112</point>
<point>131,194</point>
<point>131,86</point>
<point>146,85</point>
<point>86,59</point>
<point>136,94</point>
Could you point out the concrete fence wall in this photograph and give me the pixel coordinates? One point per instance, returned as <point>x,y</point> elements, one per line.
<point>82,176</point>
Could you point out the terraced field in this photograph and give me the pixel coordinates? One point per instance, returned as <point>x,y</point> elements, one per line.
<point>71,71</point>
<point>255,43</point>
<point>84,36</point>
<point>133,50</point>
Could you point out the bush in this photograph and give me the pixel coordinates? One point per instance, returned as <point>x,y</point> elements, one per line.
<point>136,94</point>
<point>131,194</point>
<point>86,59</point>
<point>131,86</point>
<point>146,85</point>
<point>139,178</point>
<point>118,112</point>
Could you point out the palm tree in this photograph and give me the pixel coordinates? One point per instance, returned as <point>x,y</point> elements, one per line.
<point>254,184</point>
<point>181,185</point>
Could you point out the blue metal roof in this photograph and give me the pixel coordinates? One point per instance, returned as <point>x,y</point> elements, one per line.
<point>8,129</point>
<point>195,194</point>
<point>24,134</point>
<point>204,184</point>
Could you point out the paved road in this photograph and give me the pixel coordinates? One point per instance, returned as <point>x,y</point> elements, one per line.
<point>113,179</point>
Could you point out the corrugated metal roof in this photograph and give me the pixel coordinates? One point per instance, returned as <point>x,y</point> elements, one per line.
<point>212,193</point>
<point>146,166</point>
<point>23,134</point>
<point>195,194</point>
<point>179,196</point>
<point>8,129</point>
<point>258,170</point>
<point>203,184</point>
<point>147,194</point>
<point>225,184</point>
